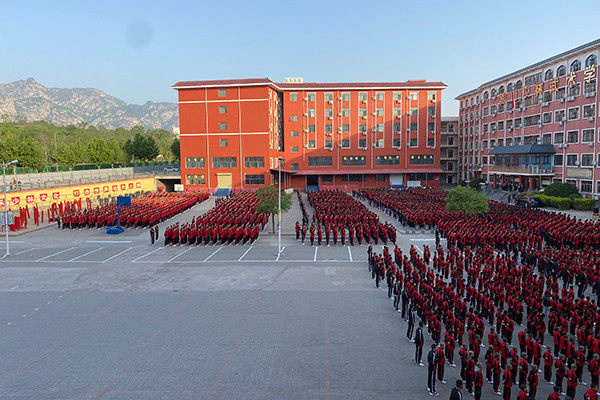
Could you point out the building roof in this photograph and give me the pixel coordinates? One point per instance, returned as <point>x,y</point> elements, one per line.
<point>524,149</point>
<point>411,84</point>
<point>532,66</point>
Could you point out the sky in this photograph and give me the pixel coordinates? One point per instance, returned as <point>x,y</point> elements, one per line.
<point>136,50</point>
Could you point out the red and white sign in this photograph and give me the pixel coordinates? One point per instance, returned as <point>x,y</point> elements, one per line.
<point>130,185</point>
<point>43,196</point>
<point>30,198</point>
<point>123,187</point>
<point>138,185</point>
<point>2,202</point>
<point>105,189</point>
<point>15,201</point>
<point>75,193</point>
<point>56,196</point>
<point>96,190</point>
<point>86,192</point>
<point>114,188</point>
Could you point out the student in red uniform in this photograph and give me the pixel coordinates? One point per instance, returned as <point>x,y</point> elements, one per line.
<point>533,382</point>
<point>507,377</point>
<point>478,381</point>
<point>591,393</point>
<point>571,376</point>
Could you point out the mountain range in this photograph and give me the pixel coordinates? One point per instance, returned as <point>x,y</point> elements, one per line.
<point>28,99</point>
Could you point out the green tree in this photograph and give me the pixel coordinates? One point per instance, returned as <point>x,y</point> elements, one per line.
<point>176,149</point>
<point>99,152</point>
<point>269,201</point>
<point>149,149</point>
<point>467,200</point>
<point>476,183</point>
<point>559,189</point>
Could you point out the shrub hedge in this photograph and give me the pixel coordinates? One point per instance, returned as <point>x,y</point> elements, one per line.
<point>565,203</point>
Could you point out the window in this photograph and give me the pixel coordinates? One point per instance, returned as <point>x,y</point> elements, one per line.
<point>294,149</point>
<point>222,126</point>
<point>591,61</point>
<point>328,144</point>
<point>362,143</point>
<point>484,144</point>
<point>379,111</point>
<point>413,96</point>
<point>294,134</point>
<point>413,142</point>
<point>251,179</point>
<point>547,97</point>
<point>353,160</point>
<point>571,160</point>
<point>547,138</point>
<point>397,127</point>
<point>362,96</point>
<point>194,162</point>
<point>558,160</point>
<point>519,84</point>
<point>586,186</point>
<point>362,127</point>
<point>397,143</point>
<point>312,144</point>
<point>222,92</point>
<point>378,143</point>
<point>431,111</point>
<point>380,96</point>
<point>311,97</point>
<point>378,128</point>
<point>587,160</point>
<point>345,143</point>
<point>328,96</point>
<point>254,162</point>
<point>500,142</point>
<point>559,137</point>
<point>329,112</point>
<point>413,126</point>
<point>224,162</point>
<point>294,166</point>
<point>573,113</point>
<point>587,135</point>
<point>450,141</point>
<point>222,109</point>
<point>327,178</point>
<point>397,96</point>
<point>561,71</point>
<point>353,178</point>
<point>560,93</point>
<point>223,142</point>
<point>362,112</point>
<point>576,66</point>
<point>345,112</point>
<point>195,180</point>
<point>589,110</point>
<point>533,79</point>
<point>387,160</point>
<point>345,96</point>
<point>345,127</point>
<point>413,111</point>
<point>312,112</point>
<point>328,128</point>
<point>320,161</point>
<point>293,96</point>
<point>509,141</point>
<point>549,75</point>
<point>575,90</point>
<point>532,120</point>
<point>431,96</point>
<point>559,116</point>
<point>293,118</point>
<point>312,128</point>
<point>430,142</point>
<point>572,136</point>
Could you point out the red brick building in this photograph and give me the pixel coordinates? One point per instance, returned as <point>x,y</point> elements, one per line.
<point>329,134</point>
<point>535,125</point>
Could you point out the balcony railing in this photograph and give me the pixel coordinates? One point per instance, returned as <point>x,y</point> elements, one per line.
<point>531,169</point>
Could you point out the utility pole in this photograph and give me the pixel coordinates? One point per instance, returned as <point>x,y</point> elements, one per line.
<point>4,165</point>
<point>280,161</point>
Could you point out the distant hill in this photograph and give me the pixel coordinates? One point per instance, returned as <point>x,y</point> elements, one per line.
<point>28,99</point>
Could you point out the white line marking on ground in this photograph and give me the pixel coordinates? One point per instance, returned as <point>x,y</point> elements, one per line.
<point>427,239</point>
<point>418,248</point>
<point>83,255</point>
<point>185,251</point>
<point>279,254</point>
<point>350,254</point>
<point>147,254</point>
<point>315,257</point>
<point>118,254</point>
<point>108,241</point>
<point>55,254</point>
<point>246,252</point>
<point>215,252</point>
<point>25,251</point>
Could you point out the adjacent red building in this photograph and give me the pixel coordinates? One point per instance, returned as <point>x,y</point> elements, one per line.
<point>537,125</point>
<point>328,134</point>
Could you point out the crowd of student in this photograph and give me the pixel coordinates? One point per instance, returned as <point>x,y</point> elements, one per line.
<point>144,211</point>
<point>339,215</point>
<point>506,271</point>
<point>233,220</point>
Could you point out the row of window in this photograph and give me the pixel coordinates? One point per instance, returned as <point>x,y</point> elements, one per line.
<point>396,127</point>
<point>363,113</point>
<point>362,143</point>
<point>575,66</point>
<point>327,161</point>
<point>558,160</point>
<point>225,162</point>
<point>362,96</point>
<point>572,137</point>
<point>249,179</point>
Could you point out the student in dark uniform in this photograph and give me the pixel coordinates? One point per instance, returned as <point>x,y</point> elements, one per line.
<point>411,323</point>
<point>431,364</point>
<point>152,236</point>
<point>456,393</point>
<point>419,344</point>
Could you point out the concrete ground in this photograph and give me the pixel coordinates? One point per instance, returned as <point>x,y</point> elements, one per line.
<point>85,315</point>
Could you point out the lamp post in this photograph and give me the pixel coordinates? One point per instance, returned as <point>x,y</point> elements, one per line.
<point>4,165</point>
<point>280,161</point>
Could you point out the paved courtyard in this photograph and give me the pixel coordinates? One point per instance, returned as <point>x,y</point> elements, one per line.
<point>85,315</point>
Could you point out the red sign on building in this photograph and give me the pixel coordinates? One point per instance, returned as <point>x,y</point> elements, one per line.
<point>30,198</point>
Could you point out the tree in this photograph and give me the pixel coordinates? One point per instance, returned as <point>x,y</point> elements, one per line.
<point>558,189</point>
<point>476,183</point>
<point>176,149</point>
<point>142,147</point>
<point>467,200</point>
<point>99,152</point>
<point>149,150</point>
<point>269,201</point>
